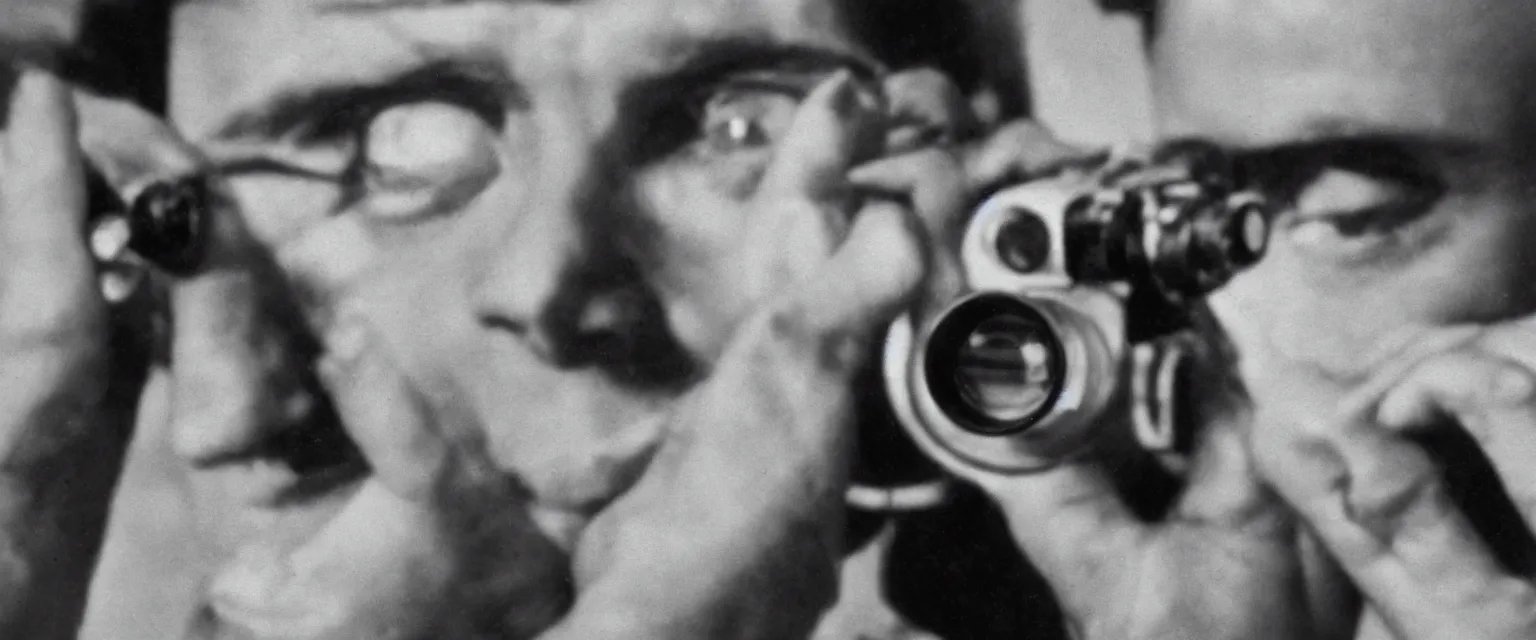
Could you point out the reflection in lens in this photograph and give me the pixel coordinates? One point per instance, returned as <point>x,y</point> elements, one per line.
<point>1004,368</point>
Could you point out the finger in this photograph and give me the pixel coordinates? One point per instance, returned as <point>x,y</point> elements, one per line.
<point>803,201</point>
<point>48,274</point>
<point>870,276</point>
<point>38,29</point>
<point>385,416</point>
<point>1223,485</point>
<point>834,127</point>
<point>130,146</point>
<point>1378,504</point>
<point>241,351</point>
<point>926,108</point>
<point>1073,526</point>
<point>346,578</point>
<point>932,179</point>
<point>1022,151</point>
<point>1492,398</point>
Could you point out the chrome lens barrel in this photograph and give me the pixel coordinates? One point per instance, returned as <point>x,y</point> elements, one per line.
<point>1005,383</point>
<point>995,365</point>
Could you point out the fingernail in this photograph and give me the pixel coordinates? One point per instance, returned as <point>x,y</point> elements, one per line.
<point>119,282</point>
<point>1514,385</point>
<point>109,238</point>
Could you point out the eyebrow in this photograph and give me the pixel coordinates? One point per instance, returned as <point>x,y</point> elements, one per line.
<point>1383,143</point>
<point>369,6</point>
<point>1331,131</point>
<point>479,81</point>
<point>728,54</point>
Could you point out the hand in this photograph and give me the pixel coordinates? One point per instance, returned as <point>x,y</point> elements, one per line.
<point>72,367</point>
<point>1225,561</point>
<point>429,490</point>
<point>756,458</point>
<point>34,27</point>
<point>1378,500</point>
<point>427,540</point>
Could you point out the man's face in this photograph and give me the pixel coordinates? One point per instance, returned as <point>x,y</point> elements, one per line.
<point>1398,139</point>
<point>490,185</point>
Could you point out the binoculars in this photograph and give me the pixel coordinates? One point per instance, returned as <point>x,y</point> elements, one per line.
<point>1065,278</point>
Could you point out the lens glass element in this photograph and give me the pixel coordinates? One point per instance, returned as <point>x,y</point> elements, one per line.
<point>1024,242</point>
<point>1004,368</point>
<point>995,365</point>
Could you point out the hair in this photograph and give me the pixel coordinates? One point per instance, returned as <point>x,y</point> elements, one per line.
<point>976,43</point>
<point>123,50</point>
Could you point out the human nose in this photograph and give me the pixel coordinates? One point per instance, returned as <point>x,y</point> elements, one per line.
<point>566,302</point>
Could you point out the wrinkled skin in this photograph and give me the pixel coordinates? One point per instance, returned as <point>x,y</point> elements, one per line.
<point>556,314</point>
<point>1391,299</point>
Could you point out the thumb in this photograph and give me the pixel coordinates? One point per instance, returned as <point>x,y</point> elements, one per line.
<point>877,269</point>
<point>1224,483</point>
<point>388,419</point>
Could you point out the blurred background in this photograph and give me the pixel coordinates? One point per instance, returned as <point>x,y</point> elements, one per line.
<point>1088,84</point>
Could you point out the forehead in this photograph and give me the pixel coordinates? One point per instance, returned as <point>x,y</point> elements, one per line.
<point>1265,70</point>
<point>240,51</point>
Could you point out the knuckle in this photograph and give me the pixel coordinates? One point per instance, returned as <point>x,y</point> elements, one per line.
<point>1382,505</point>
<point>1022,134</point>
<point>936,161</point>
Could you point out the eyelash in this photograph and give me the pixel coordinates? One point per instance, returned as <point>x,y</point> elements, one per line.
<point>350,126</point>
<point>352,114</point>
<point>674,108</point>
<point>1284,175</point>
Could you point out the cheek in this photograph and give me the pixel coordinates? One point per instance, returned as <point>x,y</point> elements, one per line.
<point>278,209</point>
<point>1296,318</point>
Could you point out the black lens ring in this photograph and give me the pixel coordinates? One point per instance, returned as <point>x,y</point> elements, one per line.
<point>941,359</point>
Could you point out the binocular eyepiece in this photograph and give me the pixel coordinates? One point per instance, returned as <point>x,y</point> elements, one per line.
<point>166,224</point>
<point>1065,277</point>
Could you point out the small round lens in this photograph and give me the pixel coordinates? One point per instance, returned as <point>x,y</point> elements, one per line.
<point>995,365</point>
<point>1004,368</point>
<point>1024,242</point>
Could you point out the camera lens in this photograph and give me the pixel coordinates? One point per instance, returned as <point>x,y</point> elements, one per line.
<point>1024,242</point>
<point>169,223</point>
<point>1003,368</point>
<point>995,365</point>
<point>1247,235</point>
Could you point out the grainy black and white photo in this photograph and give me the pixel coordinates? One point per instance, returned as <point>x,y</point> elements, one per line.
<point>767,319</point>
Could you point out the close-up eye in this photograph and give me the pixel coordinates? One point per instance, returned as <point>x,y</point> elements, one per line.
<point>745,117</point>
<point>1361,186</point>
<point>423,158</point>
<point>1353,196</point>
